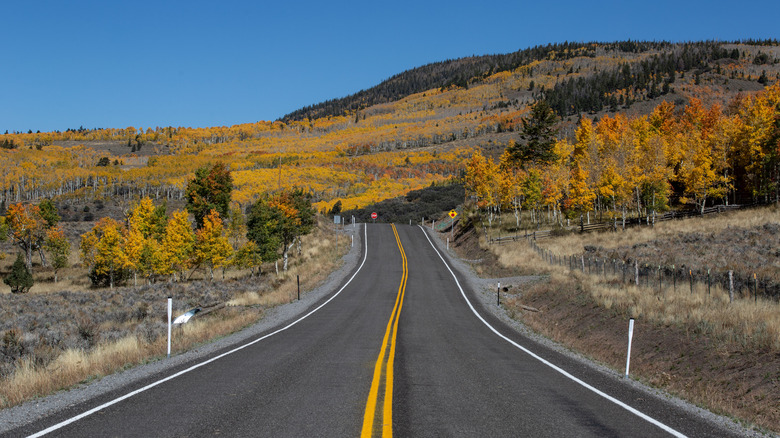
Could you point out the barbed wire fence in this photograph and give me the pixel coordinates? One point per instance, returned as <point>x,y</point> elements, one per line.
<point>738,285</point>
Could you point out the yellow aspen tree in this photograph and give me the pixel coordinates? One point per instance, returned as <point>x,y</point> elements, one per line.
<point>531,187</point>
<point>145,229</point>
<point>102,249</point>
<point>176,248</point>
<point>477,177</point>
<point>212,248</point>
<point>697,171</point>
<point>652,165</point>
<point>481,174</point>
<point>134,251</point>
<point>504,188</point>
<point>28,229</point>
<point>581,194</point>
<point>512,178</point>
<point>752,137</point>
<point>141,218</point>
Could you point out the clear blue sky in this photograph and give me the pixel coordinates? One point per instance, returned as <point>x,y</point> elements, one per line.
<point>206,63</point>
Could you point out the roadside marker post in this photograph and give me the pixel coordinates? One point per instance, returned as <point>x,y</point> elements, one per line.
<point>498,294</point>
<point>630,336</point>
<point>298,279</point>
<point>170,312</point>
<point>452,215</point>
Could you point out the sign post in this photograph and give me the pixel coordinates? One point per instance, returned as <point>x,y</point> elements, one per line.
<point>452,213</point>
<point>170,312</point>
<point>630,336</point>
<point>374,216</point>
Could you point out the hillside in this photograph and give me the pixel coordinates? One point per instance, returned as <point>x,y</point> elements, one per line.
<point>390,145</point>
<point>588,90</point>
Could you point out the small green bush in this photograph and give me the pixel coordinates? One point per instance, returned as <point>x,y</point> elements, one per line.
<point>20,279</point>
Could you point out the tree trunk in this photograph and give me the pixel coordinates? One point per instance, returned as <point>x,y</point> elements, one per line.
<point>43,257</point>
<point>28,253</point>
<point>284,255</point>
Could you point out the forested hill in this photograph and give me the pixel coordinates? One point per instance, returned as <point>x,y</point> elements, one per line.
<point>589,92</point>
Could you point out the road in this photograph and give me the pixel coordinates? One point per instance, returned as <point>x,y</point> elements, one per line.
<point>403,349</point>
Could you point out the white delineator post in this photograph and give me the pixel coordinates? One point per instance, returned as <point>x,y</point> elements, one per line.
<point>630,336</point>
<point>170,312</point>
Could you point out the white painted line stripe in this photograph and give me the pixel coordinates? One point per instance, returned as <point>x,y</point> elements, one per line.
<point>549,364</point>
<point>196,366</point>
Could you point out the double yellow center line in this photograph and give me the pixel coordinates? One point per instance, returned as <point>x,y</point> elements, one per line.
<point>386,366</point>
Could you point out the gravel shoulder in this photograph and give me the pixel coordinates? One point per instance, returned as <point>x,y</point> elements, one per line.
<point>28,412</point>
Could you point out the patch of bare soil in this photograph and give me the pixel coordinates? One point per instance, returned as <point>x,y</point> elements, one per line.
<point>722,377</point>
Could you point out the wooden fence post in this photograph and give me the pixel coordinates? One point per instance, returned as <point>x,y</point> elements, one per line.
<point>731,286</point>
<point>690,274</point>
<point>636,272</point>
<point>755,288</point>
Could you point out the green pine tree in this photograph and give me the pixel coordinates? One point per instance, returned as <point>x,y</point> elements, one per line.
<point>20,279</point>
<point>210,190</point>
<point>538,135</point>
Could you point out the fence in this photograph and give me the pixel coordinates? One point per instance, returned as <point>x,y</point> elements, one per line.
<point>659,276</point>
<point>617,224</point>
<point>656,276</point>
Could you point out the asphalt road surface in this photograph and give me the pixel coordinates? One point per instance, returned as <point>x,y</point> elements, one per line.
<point>403,323</point>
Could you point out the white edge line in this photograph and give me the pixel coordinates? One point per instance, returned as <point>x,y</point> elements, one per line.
<point>549,364</point>
<point>196,366</point>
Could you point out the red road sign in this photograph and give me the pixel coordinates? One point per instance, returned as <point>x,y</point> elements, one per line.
<point>374,215</point>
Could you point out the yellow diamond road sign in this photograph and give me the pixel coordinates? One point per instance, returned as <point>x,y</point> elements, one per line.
<point>453,213</point>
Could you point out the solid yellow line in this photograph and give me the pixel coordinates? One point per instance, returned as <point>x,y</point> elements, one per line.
<point>387,429</point>
<point>373,399</point>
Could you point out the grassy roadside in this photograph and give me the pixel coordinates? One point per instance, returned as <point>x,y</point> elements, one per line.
<point>125,338</point>
<point>720,355</point>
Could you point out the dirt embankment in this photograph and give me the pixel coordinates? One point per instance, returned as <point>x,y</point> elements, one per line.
<point>721,376</point>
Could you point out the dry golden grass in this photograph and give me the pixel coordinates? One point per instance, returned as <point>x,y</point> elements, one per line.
<point>322,251</point>
<point>573,243</point>
<point>320,255</point>
<point>747,322</point>
<point>76,366</point>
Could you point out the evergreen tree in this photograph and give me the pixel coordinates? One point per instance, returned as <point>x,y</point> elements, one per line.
<point>49,213</point>
<point>538,135</point>
<point>20,279</point>
<point>263,229</point>
<point>210,190</point>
